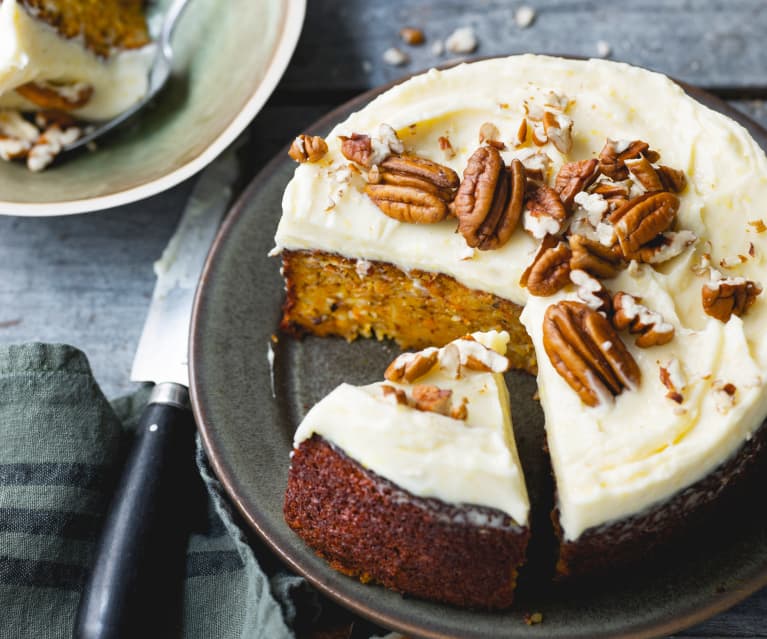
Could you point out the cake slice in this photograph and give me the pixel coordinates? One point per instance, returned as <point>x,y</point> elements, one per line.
<point>69,61</point>
<point>415,482</point>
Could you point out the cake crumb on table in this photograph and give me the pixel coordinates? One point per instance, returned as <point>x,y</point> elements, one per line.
<point>533,618</point>
<point>412,36</point>
<point>524,16</point>
<point>395,57</point>
<point>603,48</point>
<point>462,40</point>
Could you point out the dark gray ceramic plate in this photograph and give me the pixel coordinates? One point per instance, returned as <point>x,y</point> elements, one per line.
<point>247,415</point>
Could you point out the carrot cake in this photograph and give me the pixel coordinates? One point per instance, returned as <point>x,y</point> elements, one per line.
<point>415,482</point>
<point>65,62</point>
<point>611,224</point>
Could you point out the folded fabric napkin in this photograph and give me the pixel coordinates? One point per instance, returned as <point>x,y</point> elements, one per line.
<point>62,445</point>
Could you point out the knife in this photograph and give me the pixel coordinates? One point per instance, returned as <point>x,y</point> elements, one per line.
<point>136,584</point>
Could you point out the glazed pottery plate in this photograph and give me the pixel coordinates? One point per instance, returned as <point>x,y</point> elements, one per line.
<point>251,387</point>
<point>229,56</point>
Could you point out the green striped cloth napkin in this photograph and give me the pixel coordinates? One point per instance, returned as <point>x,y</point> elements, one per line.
<point>61,447</point>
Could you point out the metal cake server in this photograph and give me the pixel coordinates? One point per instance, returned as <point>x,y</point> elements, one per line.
<point>159,73</point>
<point>138,571</point>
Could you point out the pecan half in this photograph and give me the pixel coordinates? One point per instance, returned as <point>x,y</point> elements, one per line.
<point>546,215</point>
<point>595,258</point>
<point>308,148</point>
<point>417,167</point>
<point>651,328</point>
<point>409,367</point>
<point>488,203</point>
<point>729,296</point>
<point>592,292</point>
<point>573,178</point>
<point>612,162</point>
<point>587,352</point>
<point>642,219</point>
<point>550,269</point>
<point>407,204</point>
<point>432,399</point>
<point>357,148</point>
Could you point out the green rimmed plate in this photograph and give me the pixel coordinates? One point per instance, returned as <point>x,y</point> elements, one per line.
<point>229,58</point>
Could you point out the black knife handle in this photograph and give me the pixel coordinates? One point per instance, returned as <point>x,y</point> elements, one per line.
<point>138,572</point>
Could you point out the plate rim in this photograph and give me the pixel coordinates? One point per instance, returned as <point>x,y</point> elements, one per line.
<point>692,615</point>
<point>292,21</point>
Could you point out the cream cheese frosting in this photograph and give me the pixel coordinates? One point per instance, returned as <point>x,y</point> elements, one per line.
<point>472,461</point>
<point>625,455</point>
<point>33,51</point>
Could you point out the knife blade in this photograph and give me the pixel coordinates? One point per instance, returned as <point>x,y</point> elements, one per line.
<point>134,589</point>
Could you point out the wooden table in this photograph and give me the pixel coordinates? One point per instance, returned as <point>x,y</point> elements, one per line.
<point>87,279</point>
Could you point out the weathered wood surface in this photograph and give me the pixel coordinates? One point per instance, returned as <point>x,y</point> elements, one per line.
<point>87,280</point>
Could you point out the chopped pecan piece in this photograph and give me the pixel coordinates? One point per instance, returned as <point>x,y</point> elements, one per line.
<point>522,133</point>
<point>409,367</point>
<point>587,352</point>
<point>573,178</point>
<point>645,174</point>
<point>612,161</point>
<point>595,258</point>
<point>407,203</point>
<point>665,246</point>
<point>550,269</point>
<point>446,147</point>
<point>642,219</point>
<point>398,394</point>
<point>558,128</point>
<point>488,203</point>
<point>592,292</point>
<point>412,36</point>
<point>546,215</point>
<point>357,148</point>
<point>308,148</point>
<point>432,399</point>
<point>673,180</point>
<point>729,296</point>
<point>56,97</point>
<point>651,328</point>
<point>672,378</point>
<point>488,132</point>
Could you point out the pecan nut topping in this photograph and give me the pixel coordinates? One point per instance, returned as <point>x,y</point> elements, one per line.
<point>357,148</point>
<point>408,367</point>
<point>595,258</point>
<point>432,399</point>
<point>407,203</point>
<point>550,269</point>
<point>59,98</point>
<point>546,215</point>
<point>729,296</point>
<point>612,162</point>
<point>412,189</point>
<point>642,219</point>
<point>586,351</point>
<point>308,148</point>
<point>573,178</point>
<point>427,173</point>
<point>489,200</point>
<point>645,174</point>
<point>673,180</point>
<point>651,328</point>
<point>592,292</point>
